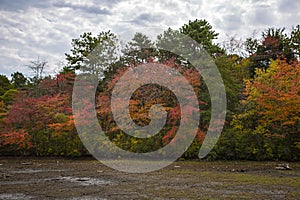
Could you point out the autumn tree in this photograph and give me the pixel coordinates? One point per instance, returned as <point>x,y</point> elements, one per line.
<point>139,105</point>
<point>270,118</point>
<point>275,44</point>
<point>42,125</point>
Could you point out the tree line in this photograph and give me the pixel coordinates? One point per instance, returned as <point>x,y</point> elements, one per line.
<point>261,77</point>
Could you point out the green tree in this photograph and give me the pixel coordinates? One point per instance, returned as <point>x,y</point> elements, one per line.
<point>6,96</point>
<point>18,80</point>
<point>201,31</point>
<point>295,41</point>
<point>139,49</point>
<point>4,84</point>
<point>252,45</point>
<point>233,70</point>
<point>169,38</point>
<point>92,54</point>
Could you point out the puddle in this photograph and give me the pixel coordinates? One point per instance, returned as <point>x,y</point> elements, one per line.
<point>21,182</point>
<point>85,181</point>
<point>15,196</point>
<point>88,198</point>
<point>31,171</point>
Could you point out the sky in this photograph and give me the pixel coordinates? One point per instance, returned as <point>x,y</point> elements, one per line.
<point>31,29</point>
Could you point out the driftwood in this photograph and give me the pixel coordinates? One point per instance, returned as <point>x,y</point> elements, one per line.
<point>26,163</point>
<point>283,167</point>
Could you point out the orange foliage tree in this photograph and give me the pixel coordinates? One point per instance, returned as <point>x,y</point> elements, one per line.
<point>272,110</point>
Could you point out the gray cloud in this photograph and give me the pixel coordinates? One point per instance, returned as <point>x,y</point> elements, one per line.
<point>231,18</point>
<point>32,28</point>
<point>92,9</point>
<point>108,3</point>
<point>264,15</point>
<point>232,22</point>
<point>147,18</point>
<point>289,6</point>
<point>11,5</point>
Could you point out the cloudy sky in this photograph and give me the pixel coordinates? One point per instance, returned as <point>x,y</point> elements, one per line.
<point>31,28</point>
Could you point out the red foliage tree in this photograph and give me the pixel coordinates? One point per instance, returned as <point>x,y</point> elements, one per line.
<point>33,121</point>
<point>140,104</point>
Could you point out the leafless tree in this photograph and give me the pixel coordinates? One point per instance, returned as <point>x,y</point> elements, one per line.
<point>37,67</point>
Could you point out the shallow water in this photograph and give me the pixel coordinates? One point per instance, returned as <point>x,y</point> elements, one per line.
<point>19,196</point>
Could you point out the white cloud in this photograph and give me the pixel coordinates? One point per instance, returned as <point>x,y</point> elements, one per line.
<point>31,28</point>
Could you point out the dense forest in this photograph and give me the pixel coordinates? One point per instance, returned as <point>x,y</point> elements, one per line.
<point>261,78</point>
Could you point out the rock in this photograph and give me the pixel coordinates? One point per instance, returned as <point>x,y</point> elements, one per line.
<point>82,179</point>
<point>238,170</point>
<point>280,168</point>
<point>283,167</point>
<point>26,163</point>
<point>6,176</point>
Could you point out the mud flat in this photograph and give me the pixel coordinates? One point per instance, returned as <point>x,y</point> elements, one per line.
<point>58,178</point>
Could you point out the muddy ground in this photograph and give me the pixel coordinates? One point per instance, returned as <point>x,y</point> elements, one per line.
<point>57,178</point>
